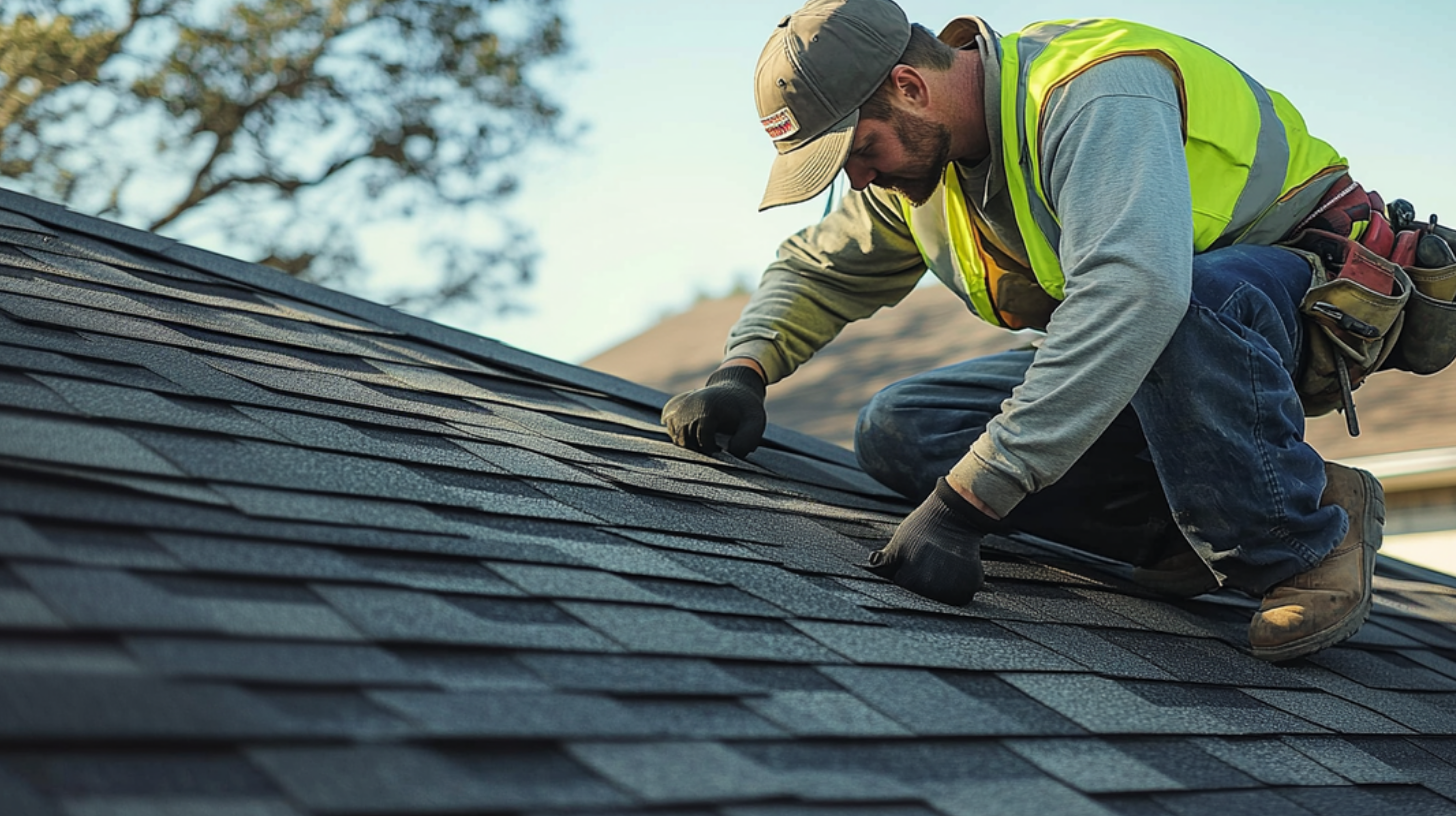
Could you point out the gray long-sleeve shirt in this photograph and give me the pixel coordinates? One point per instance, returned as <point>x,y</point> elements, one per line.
<point>1114,169</point>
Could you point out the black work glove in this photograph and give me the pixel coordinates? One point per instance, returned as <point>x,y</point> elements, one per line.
<point>936,550</point>
<point>731,403</point>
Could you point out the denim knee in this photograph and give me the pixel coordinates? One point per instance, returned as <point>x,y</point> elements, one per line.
<point>915,430</point>
<point>885,447</point>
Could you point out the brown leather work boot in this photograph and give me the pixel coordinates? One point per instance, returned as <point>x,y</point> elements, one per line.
<point>1327,604</point>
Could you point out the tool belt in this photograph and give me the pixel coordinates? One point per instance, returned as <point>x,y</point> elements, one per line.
<point>1384,301</point>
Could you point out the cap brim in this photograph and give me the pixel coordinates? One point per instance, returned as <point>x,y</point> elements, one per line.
<point>805,171</point>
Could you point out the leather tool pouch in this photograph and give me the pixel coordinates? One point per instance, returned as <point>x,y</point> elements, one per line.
<point>1354,319</point>
<point>1428,342</point>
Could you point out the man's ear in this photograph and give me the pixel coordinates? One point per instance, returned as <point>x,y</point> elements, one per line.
<point>911,87</point>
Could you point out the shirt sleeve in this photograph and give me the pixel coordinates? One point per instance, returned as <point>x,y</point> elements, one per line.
<point>860,258</point>
<point>1114,168</point>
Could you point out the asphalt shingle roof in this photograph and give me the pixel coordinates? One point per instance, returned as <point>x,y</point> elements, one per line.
<point>268,549</point>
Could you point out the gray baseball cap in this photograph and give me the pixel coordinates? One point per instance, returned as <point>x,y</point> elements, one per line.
<point>821,63</point>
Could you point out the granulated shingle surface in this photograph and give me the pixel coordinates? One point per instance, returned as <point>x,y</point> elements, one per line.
<point>269,549</point>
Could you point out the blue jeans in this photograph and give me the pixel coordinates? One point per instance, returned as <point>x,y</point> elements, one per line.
<point>1211,451</point>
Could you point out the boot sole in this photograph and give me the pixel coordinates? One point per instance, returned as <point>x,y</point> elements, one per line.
<point>1374,519</point>
<point>1175,584</point>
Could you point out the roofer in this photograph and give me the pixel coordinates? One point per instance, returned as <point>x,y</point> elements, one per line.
<point>1205,272</point>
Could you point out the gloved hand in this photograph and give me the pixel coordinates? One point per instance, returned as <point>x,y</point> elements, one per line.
<point>731,403</point>
<point>936,550</point>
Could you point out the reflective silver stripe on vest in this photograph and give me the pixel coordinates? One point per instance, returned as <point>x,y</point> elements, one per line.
<point>1266,175</point>
<point>1028,48</point>
<point>1271,164</point>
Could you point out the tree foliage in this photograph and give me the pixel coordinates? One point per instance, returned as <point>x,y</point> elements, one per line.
<point>289,130</point>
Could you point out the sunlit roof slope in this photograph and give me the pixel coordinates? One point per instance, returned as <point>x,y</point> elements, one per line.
<point>267,549</point>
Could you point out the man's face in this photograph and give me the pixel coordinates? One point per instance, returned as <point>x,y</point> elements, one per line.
<point>906,154</point>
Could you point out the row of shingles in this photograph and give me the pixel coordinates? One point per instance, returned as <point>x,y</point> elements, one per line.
<point>437,381</point>
<point>542,703</point>
<point>915,695</point>
<point>443,711</point>
<point>194,320</point>
<point>206,309</point>
<point>1299,801</point>
<point>1435,651</point>
<point>1109,658</point>
<point>1397,643</point>
<point>300,778</point>
<point>172,271</point>
<point>453,716</point>
<point>206,455</point>
<point>78,686</point>
<point>1348,720</point>
<point>183,287</point>
<point>198,780</point>
<point>113,244</point>
<point>1129,775</point>
<point>1353,696</point>
<point>392,406</point>
<point>1410,638</point>
<point>1384,680</point>
<point>1234,713</point>
<point>275,778</point>
<point>800,700</point>
<point>1310,697</point>
<point>1248,717</point>
<point>1109,766</point>
<point>627,559</point>
<point>151,289</point>
<point>822,706</point>
<point>514,707</point>
<point>967,646</point>
<point>925,701</point>
<point>1118,707</point>
<point>1146,776</point>
<point>412,375</point>
<point>1210,779</point>
<point>130,284</point>
<point>948,777</point>
<point>1396,679</point>
<point>1291,701</point>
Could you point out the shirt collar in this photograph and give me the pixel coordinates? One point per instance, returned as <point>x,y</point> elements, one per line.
<point>965,32</point>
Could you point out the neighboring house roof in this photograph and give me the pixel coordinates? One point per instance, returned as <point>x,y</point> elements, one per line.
<point>269,549</point>
<point>931,328</point>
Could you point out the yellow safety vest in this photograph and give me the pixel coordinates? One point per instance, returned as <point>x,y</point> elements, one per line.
<point>1249,155</point>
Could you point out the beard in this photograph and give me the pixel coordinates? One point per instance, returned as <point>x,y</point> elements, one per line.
<point>927,152</point>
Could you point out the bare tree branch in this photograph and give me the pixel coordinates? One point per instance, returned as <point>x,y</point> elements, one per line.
<point>287,126</point>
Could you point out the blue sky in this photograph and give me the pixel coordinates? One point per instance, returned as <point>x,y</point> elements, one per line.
<point>658,201</point>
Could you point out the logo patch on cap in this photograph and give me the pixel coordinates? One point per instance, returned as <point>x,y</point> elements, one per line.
<point>780,124</point>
